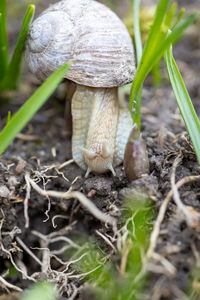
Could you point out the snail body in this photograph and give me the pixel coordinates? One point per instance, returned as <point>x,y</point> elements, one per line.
<point>97,43</point>
<point>100,130</point>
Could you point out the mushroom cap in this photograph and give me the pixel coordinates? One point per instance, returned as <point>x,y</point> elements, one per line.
<point>88,34</point>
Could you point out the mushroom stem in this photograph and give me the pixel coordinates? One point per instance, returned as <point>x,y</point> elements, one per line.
<point>95,116</point>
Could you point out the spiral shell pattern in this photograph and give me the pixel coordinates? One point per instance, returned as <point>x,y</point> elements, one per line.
<point>87,33</point>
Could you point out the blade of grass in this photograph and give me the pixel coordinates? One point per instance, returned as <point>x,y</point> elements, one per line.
<point>184,102</point>
<point>170,15</point>
<point>32,105</point>
<point>156,54</point>
<point>156,74</point>
<point>3,39</point>
<point>164,44</point>
<point>179,17</point>
<point>136,25</point>
<point>136,112</point>
<point>10,81</point>
<point>151,43</point>
<point>156,29</point>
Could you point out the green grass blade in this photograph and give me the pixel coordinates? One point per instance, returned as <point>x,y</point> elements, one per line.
<point>32,105</point>
<point>136,25</point>
<point>3,39</point>
<point>156,74</point>
<point>137,108</point>
<point>179,17</point>
<point>136,112</point>
<point>170,38</point>
<point>170,15</point>
<point>10,81</point>
<point>154,56</point>
<point>184,102</point>
<point>155,35</point>
<point>156,30</point>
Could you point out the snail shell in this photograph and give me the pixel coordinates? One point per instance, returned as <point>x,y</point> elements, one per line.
<point>87,33</point>
<point>96,41</point>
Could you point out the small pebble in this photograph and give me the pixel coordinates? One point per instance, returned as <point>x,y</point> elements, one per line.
<point>4,192</point>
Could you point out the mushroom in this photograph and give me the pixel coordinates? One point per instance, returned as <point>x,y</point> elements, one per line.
<point>94,39</point>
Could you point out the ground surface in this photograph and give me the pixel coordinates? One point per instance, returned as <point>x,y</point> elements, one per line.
<point>55,223</point>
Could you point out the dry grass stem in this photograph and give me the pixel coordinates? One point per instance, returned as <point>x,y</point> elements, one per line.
<point>124,258</point>
<point>28,137</point>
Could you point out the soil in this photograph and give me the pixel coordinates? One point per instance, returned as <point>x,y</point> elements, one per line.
<point>45,145</point>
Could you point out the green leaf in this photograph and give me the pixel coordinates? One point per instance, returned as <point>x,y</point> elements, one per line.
<point>12,74</point>
<point>31,106</point>
<point>3,39</point>
<point>41,291</point>
<point>184,102</point>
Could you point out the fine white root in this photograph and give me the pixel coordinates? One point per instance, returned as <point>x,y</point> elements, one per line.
<point>56,217</point>
<point>167,265</point>
<point>161,214</point>
<point>15,265</point>
<point>190,217</point>
<point>28,191</point>
<point>88,204</point>
<point>107,240</point>
<point>8,252</point>
<point>28,251</point>
<point>79,276</point>
<point>8,285</point>
<point>65,164</point>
